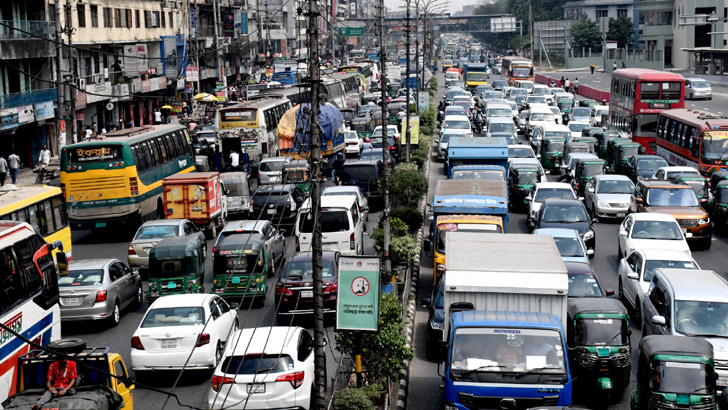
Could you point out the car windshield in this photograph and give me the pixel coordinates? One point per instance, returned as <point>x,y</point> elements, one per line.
<point>443,229</point>
<point>518,91</point>
<point>584,286</point>
<point>174,316</point>
<point>452,74</point>
<point>527,176</point>
<point>263,197</point>
<point>491,95</point>
<point>682,377</point>
<point>499,84</point>
<point>671,197</point>
<point>299,270</point>
<point>156,232</point>
<point>332,220</point>
<point>376,141</point>
<point>463,103</point>
<point>487,350</point>
<point>517,152</point>
<point>580,112</point>
<point>698,318</point>
<point>565,213</point>
<point>615,187</point>
<point>663,230</point>
<point>554,145</point>
<point>651,164</point>
<point>536,99</point>
<point>502,127</point>
<point>82,277</point>
<point>569,247</point>
<point>652,265</point>
<point>361,173</point>
<point>350,135</point>
<point>543,194</point>
<point>540,91</point>
<point>699,84</point>
<point>601,332</point>
<point>485,175</point>
<point>257,363</point>
<point>371,154</point>
<point>538,116</point>
<point>272,166</point>
<point>453,110</point>
<point>458,125</point>
<point>499,112</point>
<point>576,127</point>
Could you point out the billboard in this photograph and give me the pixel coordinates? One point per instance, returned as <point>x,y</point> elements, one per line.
<point>357,297</point>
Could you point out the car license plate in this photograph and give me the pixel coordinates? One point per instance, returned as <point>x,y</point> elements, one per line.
<point>271,211</point>
<point>72,301</point>
<point>254,388</point>
<point>622,215</point>
<point>306,293</point>
<point>169,344</point>
<point>723,381</point>
<point>100,224</point>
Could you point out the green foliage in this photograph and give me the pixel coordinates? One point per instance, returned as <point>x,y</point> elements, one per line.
<point>409,215</point>
<point>383,354</point>
<point>494,8</point>
<point>422,152</point>
<point>406,185</point>
<point>402,246</point>
<point>621,30</point>
<point>586,34</point>
<point>354,399</point>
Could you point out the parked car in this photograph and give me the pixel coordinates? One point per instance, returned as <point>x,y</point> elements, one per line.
<point>571,246</point>
<point>650,231</point>
<point>182,332</point>
<point>583,282</point>
<point>607,196</point>
<point>270,170</point>
<point>98,289</point>
<point>567,213</point>
<point>277,203</point>
<point>294,290</point>
<point>151,232</point>
<point>697,88</point>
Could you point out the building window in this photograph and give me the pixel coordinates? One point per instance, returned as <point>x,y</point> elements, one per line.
<point>107,17</point>
<point>122,18</point>
<point>117,18</point>
<point>171,20</point>
<point>621,13</point>
<point>155,19</point>
<point>147,18</point>
<point>138,20</point>
<point>602,14</point>
<point>94,16</point>
<point>164,19</point>
<point>128,18</point>
<point>81,9</point>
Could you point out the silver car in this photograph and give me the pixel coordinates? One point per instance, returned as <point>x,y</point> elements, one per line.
<point>151,232</point>
<point>697,88</point>
<point>352,190</point>
<point>275,242</point>
<point>608,195</point>
<point>98,289</point>
<point>270,170</point>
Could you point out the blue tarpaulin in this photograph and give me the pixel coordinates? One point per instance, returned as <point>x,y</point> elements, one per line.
<point>330,121</point>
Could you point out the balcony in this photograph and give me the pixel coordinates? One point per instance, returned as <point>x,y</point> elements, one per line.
<point>28,43</point>
<point>28,97</point>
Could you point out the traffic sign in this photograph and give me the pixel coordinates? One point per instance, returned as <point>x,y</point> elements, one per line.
<point>351,31</point>
<point>357,299</point>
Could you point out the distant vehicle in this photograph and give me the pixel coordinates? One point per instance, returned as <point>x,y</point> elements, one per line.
<point>567,213</point>
<point>151,232</point>
<point>583,281</point>
<point>294,290</point>
<point>697,88</point>
<point>569,242</point>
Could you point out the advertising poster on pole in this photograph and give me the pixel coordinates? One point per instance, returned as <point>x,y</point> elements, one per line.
<point>357,298</point>
<point>414,129</point>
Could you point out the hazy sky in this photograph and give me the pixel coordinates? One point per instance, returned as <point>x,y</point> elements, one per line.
<point>454,5</point>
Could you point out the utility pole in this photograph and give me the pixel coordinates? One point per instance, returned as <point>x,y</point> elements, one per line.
<point>220,66</point>
<point>385,142</point>
<point>60,86</point>
<point>417,68</point>
<point>268,48</point>
<point>530,27</point>
<point>72,70</point>
<point>407,84</point>
<point>316,245</point>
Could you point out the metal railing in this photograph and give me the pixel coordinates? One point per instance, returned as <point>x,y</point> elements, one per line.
<point>28,97</point>
<point>9,30</point>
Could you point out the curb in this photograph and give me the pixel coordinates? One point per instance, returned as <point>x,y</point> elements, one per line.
<point>409,326</point>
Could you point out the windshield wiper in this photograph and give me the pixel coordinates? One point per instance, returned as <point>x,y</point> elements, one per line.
<point>613,337</point>
<point>477,369</point>
<point>263,370</point>
<point>538,369</point>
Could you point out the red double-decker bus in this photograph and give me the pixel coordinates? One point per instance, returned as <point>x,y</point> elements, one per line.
<point>638,96</point>
<point>693,138</point>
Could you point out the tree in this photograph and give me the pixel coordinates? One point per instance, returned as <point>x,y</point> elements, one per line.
<point>622,31</point>
<point>586,34</point>
<point>488,9</point>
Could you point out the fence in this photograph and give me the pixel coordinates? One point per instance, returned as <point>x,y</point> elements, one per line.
<point>584,90</point>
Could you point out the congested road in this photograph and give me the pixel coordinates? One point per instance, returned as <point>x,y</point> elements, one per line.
<point>193,387</point>
<point>424,387</point>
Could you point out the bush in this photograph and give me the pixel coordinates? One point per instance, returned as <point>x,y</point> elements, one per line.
<point>409,215</point>
<point>402,246</point>
<point>422,153</point>
<point>406,185</point>
<point>353,399</point>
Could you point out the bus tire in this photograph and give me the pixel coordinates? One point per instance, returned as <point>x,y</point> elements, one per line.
<point>68,345</point>
<point>160,210</point>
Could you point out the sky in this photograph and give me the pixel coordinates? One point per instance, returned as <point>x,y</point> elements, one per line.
<point>455,5</point>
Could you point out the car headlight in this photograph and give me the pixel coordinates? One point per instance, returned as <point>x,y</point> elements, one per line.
<point>602,204</point>
<point>705,220</point>
<point>588,235</point>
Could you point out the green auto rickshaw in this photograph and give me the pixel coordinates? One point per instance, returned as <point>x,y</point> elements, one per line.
<point>176,265</point>
<point>587,102</point>
<point>590,131</point>
<point>393,88</point>
<point>619,154</point>
<point>720,207</point>
<point>298,172</point>
<point>522,178</point>
<point>598,339</point>
<point>584,171</point>
<point>593,143</point>
<point>393,109</point>
<point>675,372</point>
<point>551,153</point>
<point>604,138</point>
<point>716,178</point>
<point>363,126</point>
<point>574,147</point>
<point>241,267</point>
<point>699,185</point>
<point>377,117</point>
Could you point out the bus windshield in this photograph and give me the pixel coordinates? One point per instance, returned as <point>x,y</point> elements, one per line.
<point>715,145</point>
<point>477,77</point>
<point>521,72</point>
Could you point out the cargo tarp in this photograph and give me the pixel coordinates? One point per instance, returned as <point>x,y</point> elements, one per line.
<point>95,397</point>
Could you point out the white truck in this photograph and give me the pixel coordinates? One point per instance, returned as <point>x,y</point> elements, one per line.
<point>511,272</point>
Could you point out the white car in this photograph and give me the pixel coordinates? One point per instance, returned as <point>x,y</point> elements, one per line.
<point>650,230</point>
<point>636,270</point>
<point>177,325</point>
<point>666,172</point>
<point>540,115</point>
<point>265,367</point>
<point>543,191</point>
<point>595,116</point>
<point>608,195</point>
<point>353,143</point>
<point>580,114</point>
<point>520,151</point>
<point>558,116</point>
<point>392,130</point>
<point>270,170</point>
<point>351,190</point>
<point>575,127</point>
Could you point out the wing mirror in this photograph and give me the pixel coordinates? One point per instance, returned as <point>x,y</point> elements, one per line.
<point>658,320</point>
<point>590,252</point>
<point>425,302</point>
<point>622,233</point>
<point>633,276</point>
<point>609,292</point>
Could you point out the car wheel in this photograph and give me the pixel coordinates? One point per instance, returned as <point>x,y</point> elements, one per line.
<point>115,317</point>
<point>620,293</point>
<point>139,298</point>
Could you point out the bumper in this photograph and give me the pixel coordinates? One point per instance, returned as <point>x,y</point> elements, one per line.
<point>703,231</point>
<point>268,179</point>
<point>290,308</point>
<point>352,149</point>
<point>99,311</point>
<point>104,221</point>
<point>287,218</point>
<point>611,212</point>
<point>139,262</point>
<point>288,401</point>
<point>202,358</point>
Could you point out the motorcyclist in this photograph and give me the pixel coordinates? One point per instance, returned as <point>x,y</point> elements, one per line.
<point>337,168</point>
<point>479,120</point>
<point>567,177</point>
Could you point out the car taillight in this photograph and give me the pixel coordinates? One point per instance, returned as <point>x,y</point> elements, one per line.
<point>136,343</point>
<point>296,379</point>
<point>101,296</point>
<point>218,381</point>
<point>351,241</point>
<point>202,339</point>
<point>293,203</point>
<point>282,290</point>
<point>213,250</point>
<point>132,251</point>
<point>332,288</point>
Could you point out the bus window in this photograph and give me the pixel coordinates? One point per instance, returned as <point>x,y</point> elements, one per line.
<point>59,212</point>
<point>671,91</point>
<point>48,214</point>
<point>650,91</point>
<point>24,251</point>
<point>32,218</point>
<point>11,287</point>
<point>162,148</point>
<point>156,159</point>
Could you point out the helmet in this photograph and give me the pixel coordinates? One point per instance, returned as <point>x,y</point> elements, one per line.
<point>339,155</point>
<point>366,140</point>
<point>514,340</point>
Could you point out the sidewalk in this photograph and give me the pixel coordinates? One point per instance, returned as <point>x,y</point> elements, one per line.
<point>26,176</point>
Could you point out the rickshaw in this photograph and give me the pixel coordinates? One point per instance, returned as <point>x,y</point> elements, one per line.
<point>590,131</point>
<point>363,126</point>
<point>591,141</point>
<point>552,152</point>
<point>522,178</point>
<point>584,171</point>
<point>298,172</point>
<point>393,89</point>
<point>241,267</point>
<point>716,178</point>
<point>393,109</point>
<point>377,117</point>
<point>176,265</point>
<point>598,339</point>
<point>604,138</point>
<point>720,207</point>
<point>572,147</point>
<point>675,372</point>
<point>699,185</point>
<point>349,114</point>
<point>619,154</point>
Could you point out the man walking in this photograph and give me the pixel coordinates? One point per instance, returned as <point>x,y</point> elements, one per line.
<point>13,164</point>
<point>614,66</point>
<point>592,67</point>
<point>234,159</point>
<point>157,116</point>
<point>576,86</point>
<point>3,170</point>
<point>567,84</point>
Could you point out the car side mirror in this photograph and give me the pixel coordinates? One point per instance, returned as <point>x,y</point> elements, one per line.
<point>609,292</point>
<point>622,233</point>
<point>658,320</point>
<point>590,190</point>
<point>633,276</point>
<point>590,252</point>
<point>283,231</point>
<point>426,302</point>
<point>688,235</point>
<point>234,306</point>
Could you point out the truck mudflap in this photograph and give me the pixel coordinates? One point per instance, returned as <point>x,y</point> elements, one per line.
<point>94,397</point>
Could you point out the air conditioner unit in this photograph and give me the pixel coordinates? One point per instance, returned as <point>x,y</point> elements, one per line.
<point>81,83</point>
<point>132,88</point>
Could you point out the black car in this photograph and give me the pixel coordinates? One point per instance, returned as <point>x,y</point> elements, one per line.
<point>277,203</point>
<point>643,166</point>
<point>376,154</point>
<point>392,143</point>
<point>364,174</point>
<point>569,214</point>
<point>583,282</point>
<point>436,319</point>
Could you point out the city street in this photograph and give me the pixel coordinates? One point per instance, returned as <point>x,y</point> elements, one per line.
<point>424,387</point>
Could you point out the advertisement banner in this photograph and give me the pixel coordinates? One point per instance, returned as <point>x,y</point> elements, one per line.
<point>353,9</point>
<point>192,74</point>
<point>357,298</point>
<point>142,64</point>
<point>414,129</point>
<point>423,100</point>
<point>244,23</point>
<point>25,114</point>
<point>228,25</point>
<point>9,119</point>
<point>130,61</point>
<point>44,110</point>
<point>171,66</point>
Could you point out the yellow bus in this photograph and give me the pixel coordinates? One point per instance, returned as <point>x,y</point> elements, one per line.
<point>117,179</point>
<point>43,207</point>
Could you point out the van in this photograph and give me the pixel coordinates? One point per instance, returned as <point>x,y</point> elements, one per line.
<point>688,302</point>
<point>341,223</point>
<point>238,192</point>
<point>365,174</point>
<point>595,117</point>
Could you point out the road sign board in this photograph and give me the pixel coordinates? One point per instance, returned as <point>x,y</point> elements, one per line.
<point>351,31</point>
<point>357,299</point>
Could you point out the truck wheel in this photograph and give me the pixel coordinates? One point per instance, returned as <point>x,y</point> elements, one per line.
<point>160,210</point>
<point>211,232</point>
<point>68,345</point>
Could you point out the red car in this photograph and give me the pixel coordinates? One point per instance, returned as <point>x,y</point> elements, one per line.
<point>294,290</point>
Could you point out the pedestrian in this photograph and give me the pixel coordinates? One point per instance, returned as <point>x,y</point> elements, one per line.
<point>88,133</point>
<point>103,130</point>
<point>184,107</point>
<point>614,66</point>
<point>218,159</point>
<point>234,159</point>
<point>576,86</point>
<point>3,170</point>
<point>157,116</point>
<point>45,157</point>
<point>246,161</point>
<point>592,67</point>
<point>562,81</point>
<point>13,164</point>
<point>567,84</point>
<point>61,379</point>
